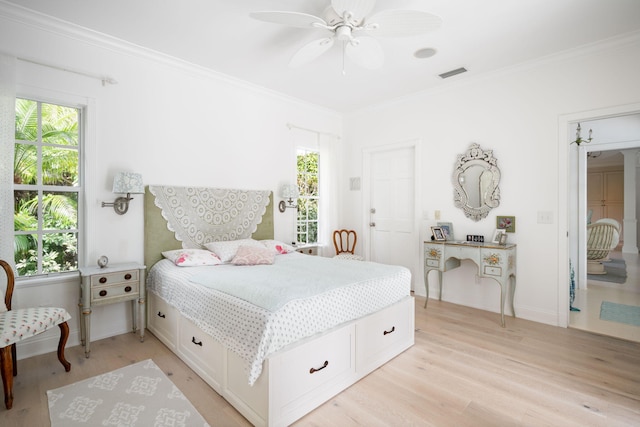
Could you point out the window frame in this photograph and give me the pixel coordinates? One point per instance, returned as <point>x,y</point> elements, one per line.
<point>306,197</point>
<point>41,188</point>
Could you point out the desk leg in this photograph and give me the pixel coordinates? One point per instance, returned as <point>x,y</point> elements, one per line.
<point>142,318</point>
<point>86,314</point>
<point>426,285</point>
<point>512,281</point>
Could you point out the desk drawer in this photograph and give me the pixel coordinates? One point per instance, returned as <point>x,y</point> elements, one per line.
<point>121,291</point>
<point>117,277</point>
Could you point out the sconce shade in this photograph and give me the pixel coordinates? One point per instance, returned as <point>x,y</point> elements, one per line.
<point>128,182</point>
<point>289,191</point>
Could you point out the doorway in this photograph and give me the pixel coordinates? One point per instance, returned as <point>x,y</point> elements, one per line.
<point>591,293</point>
<point>390,205</point>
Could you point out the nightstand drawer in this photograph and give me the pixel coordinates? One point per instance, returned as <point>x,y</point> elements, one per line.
<point>115,277</point>
<point>105,294</point>
<point>308,250</point>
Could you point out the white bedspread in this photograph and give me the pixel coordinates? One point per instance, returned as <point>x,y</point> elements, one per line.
<point>254,332</point>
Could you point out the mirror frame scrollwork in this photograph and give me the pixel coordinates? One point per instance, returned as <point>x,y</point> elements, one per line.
<point>476,156</point>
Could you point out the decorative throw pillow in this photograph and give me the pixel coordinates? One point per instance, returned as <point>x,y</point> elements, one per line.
<point>191,257</point>
<point>278,247</point>
<point>227,250</point>
<point>250,255</point>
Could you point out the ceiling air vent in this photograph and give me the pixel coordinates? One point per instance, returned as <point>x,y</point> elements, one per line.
<point>453,73</point>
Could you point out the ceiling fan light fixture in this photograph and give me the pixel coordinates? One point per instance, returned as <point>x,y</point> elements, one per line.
<point>424,53</point>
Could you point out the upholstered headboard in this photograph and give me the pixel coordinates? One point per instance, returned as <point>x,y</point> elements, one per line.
<point>244,213</point>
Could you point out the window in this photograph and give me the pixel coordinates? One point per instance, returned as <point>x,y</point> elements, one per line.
<point>47,187</point>
<point>308,180</point>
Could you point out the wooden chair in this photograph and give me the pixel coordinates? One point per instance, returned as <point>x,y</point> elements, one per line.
<point>344,241</point>
<point>22,323</point>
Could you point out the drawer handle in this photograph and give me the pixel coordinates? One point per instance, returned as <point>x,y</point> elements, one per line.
<point>103,293</point>
<point>312,370</point>
<point>127,276</point>
<point>393,329</point>
<point>161,315</point>
<point>103,280</point>
<point>127,289</point>
<point>193,340</point>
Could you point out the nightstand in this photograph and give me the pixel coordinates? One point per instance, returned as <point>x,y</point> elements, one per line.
<point>307,248</point>
<point>109,285</point>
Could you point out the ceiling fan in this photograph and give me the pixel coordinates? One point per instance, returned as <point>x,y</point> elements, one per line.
<point>348,21</point>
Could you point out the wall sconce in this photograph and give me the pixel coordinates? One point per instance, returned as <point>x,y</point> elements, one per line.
<point>125,183</point>
<point>291,193</point>
<point>579,139</point>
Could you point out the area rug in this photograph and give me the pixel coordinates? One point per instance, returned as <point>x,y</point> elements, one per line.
<point>621,313</point>
<point>616,272</point>
<point>136,395</point>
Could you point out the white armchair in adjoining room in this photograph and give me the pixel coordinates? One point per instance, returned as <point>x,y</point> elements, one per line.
<point>602,238</point>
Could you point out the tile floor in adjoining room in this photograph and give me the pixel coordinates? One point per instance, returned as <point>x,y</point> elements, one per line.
<point>589,301</point>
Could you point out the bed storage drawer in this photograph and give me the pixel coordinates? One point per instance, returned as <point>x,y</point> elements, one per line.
<point>381,334</point>
<point>312,372</point>
<point>201,352</point>
<point>162,320</point>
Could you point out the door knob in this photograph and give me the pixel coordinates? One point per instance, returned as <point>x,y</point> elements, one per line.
<point>372,224</point>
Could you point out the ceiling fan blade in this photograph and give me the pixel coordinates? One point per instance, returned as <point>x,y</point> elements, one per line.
<point>359,8</point>
<point>401,23</point>
<point>311,51</point>
<point>291,19</point>
<point>365,52</point>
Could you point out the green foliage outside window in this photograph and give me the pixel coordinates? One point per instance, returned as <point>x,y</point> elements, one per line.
<point>307,180</point>
<point>46,187</point>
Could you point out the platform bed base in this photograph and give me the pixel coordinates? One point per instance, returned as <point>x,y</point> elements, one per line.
<point>298,378</point>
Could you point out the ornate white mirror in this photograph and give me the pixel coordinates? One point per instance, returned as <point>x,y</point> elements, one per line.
<point>475,182</point>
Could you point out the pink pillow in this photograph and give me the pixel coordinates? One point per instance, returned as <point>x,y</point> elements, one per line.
<point>250,255</point>
<point>278,247</point>
<point>191,257</point>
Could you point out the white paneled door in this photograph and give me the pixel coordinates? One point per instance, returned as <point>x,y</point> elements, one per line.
<point>392,233</point>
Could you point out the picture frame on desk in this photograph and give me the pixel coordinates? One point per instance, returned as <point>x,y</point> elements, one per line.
<point>447,228</point>
<point>438,234</point>
<point>498,234</point>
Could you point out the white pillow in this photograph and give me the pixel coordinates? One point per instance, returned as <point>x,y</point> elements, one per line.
<point>191,257</point>
<point>226,250</point>
<point>249,255</point>
<point>278,247</point>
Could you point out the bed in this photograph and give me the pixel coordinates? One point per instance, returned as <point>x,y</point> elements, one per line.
<point>273,359</point>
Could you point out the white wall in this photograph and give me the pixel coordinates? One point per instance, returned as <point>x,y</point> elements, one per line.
<point>172,123</point>
<point>516,113</point>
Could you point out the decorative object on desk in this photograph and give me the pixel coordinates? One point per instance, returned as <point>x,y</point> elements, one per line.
<point>475,238</point>
<point>579,139</point>
<point>290,193</point>
<point>125,183</point>
<point>438,234</point>
<point>475,182</point>
<point>496,235</point>
<point>503,239</point>
<point>103,261</point>
<point>508,223</point>
<point>139,394</point>
<point>447,229</point>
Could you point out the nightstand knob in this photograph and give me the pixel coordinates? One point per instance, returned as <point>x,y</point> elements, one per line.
<point>103,280</point>
<point>127,276</point>
<point>103,292</point>
<point>127,289</point>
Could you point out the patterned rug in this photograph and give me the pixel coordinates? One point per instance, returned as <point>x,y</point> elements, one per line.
<point>621,313</point>
<point>616,272</point>
<point>136,395</point>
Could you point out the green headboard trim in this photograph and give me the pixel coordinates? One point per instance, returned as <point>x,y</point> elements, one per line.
<point>158,238</point>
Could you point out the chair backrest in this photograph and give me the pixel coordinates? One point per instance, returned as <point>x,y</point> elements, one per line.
<point>600,237</point>
<point>8,293</point>
<point>344,241</point>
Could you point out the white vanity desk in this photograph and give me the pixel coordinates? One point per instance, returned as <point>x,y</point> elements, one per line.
<point>495,261</point>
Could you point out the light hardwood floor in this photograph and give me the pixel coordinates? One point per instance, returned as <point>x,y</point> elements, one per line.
<point>589,301</point>
<point>464,370</point>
